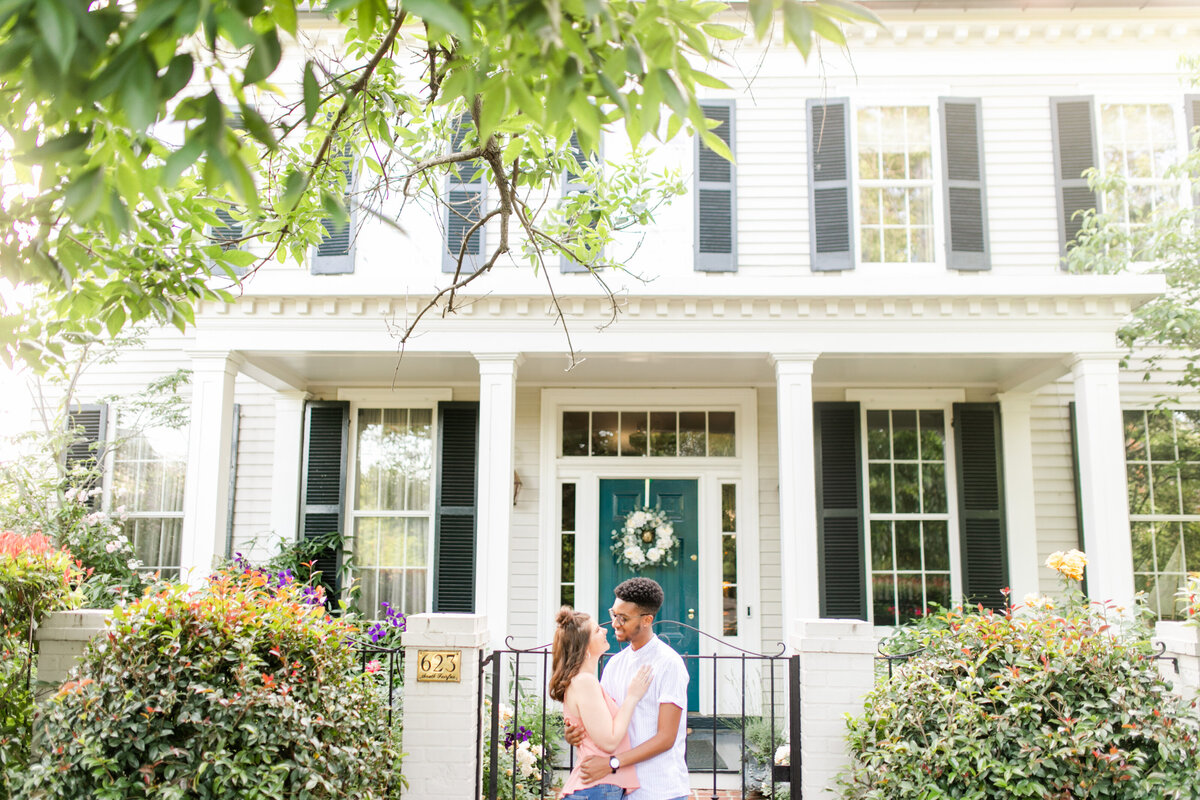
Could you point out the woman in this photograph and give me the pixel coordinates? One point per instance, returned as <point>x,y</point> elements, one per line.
<point>578,644</point>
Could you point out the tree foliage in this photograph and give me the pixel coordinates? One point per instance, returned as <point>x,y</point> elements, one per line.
<point>129,126</point>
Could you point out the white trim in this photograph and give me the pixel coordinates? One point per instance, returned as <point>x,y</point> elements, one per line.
<point>710,473</point>
<point>903,399</point>
<point>395,398</point>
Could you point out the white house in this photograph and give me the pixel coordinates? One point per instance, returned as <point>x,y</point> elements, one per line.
<point>857,376</point>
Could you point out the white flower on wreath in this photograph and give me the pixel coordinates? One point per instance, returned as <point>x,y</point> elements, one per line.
<point>654,554</point>
<point>646,537</point>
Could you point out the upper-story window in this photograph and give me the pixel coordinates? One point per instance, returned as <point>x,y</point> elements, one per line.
<point>464,206</point>
<point>1140,143</point>
<point>715,248</point>
<point>895,184</point>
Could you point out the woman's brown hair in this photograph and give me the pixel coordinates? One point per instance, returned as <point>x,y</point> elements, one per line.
<point>571,639</point>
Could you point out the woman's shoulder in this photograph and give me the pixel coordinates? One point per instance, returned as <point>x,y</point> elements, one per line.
<point>585,680</point>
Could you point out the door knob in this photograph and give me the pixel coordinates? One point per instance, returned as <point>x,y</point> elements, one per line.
<point>691,613</point>
<point>693,557</point>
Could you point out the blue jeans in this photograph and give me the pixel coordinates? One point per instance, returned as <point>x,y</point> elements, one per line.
<point>601,791</point>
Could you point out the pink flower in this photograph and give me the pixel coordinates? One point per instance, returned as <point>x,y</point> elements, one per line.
<point>373,667</point>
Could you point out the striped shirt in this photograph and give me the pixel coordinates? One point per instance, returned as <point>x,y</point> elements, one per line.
<point>665,776</point>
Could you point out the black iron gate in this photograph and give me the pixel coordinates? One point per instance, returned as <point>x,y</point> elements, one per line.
<point>523,753</point>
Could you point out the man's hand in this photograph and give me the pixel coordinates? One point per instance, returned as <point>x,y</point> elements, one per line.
<point>595,768</point>
<point>574,734</point>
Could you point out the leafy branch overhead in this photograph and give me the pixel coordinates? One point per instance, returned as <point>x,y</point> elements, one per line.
<point>130,130</point>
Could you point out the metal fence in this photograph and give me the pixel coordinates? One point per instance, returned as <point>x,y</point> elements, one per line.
<point>740,691</point>
<point>387,664</point>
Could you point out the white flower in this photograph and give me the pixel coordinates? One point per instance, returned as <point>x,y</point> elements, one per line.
<point>505,713</point>
<point>120,511</point>
<point>108,548</point>
<point>133,563</point>
<point>783,755</point>
<point>637,519</point>
<point>69,494</point>
<point>634,555</point>
<point>666,530</point>
<point>654,554</point>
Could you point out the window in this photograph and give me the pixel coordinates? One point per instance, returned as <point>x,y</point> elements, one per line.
<point>148,474</point>
<point>229,233</point>
<point>895,184</point>
<point>567,534</point>
<point>907,514</point>
<point>1162,459</point>
<point>1140,143</point>
<point>572,186</point>
<point>729,589</point>
<point>466,194</point>
<point>648,433</point>
<point>335,253</point>
<point>392,512</point>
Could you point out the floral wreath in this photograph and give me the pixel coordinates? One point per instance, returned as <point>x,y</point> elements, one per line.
<point>645,539</point>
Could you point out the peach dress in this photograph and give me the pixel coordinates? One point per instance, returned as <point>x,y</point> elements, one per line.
<point>625,777</point>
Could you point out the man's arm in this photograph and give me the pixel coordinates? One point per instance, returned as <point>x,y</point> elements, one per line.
<point>669,716</point>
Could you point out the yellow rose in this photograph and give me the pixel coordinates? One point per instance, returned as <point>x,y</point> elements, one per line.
<point>1069,564</point>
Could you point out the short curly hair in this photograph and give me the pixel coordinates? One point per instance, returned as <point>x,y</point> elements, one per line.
<point>645,593</point>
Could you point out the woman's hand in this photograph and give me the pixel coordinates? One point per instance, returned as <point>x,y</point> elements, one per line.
<point>641,682</point>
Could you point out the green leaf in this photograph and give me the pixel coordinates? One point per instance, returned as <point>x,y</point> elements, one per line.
<point>264,58</point>
<point>723,32</point>
<point>285,15</point>
<point>440,14</point>
<point>58,27</point>
<point>115,320</point>
<point>181,159</point>
<point>67,143</point>
<point>293,189</point>
<point>84,195</point>
<point>256,125</point>
<point>312,93</point>
<point>761,12</point>
<point>137,94</point>
<point>178,73</point>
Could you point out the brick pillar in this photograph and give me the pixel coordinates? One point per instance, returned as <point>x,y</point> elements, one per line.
<point>441,720</point>
<point>1183,643</point>
<point>837,669</point>
<point>61,638</point>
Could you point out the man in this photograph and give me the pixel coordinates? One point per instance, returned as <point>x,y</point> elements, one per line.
<point>656,732</point>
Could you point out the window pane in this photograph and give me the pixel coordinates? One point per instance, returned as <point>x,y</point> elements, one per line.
<point>904,434</point>
<point>414,591</point>
<point>1166,489</point>
<point>568,507</point>
<point>1187,435</point>
<point>1191,545</point>
<point>721,434</point>
<point>937,590</point>
<point>933,478</point>
<point>575,433</point>
<point>884,602</point>
<point>908,491</point>
<point>933,435</point>
<point>937,545</point>
<point>633,433</point>
<point>881,546</point>
<point>880,476</point>
<point>1168,547</point>
<point>728,508</point>
<point>729,618</point>
<point>567,575</point>
<point>1137,479</point>
<point>1162,436</point>
<point>568,596</point>
<point>604,433</point>
<point>878,435</point>
<point>910,590</point>
<point>662,433</point>
<point>691,433</point>
<point>908,545</point>
<point>1143,546</point>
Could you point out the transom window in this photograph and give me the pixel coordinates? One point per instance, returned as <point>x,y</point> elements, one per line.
<point>148,473</point>
<point>895,186</point>
<point>649,433</point>
<point>907,514</point>
<point>392,514</point>
<point>1162,460</point>
<point>1140,143</point>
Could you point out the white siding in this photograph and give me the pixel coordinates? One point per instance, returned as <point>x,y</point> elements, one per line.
<point>252,534</point>
<point>1053,477</point>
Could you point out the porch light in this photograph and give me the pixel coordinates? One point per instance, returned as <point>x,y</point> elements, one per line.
<point>516,486</point>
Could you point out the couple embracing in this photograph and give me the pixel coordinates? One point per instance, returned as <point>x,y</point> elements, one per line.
<point>629,725</point>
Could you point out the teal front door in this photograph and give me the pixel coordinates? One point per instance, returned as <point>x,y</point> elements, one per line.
<point>680,582</point>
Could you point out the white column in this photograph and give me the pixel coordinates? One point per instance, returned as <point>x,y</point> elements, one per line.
<point>1103,492</point>
<point>797,488</point>
<point>206,486</point>
<point>837,670</point>
<point>441,719</point>
<point>1019,510</point>
<point>285,475</point>
<point>497,408</point>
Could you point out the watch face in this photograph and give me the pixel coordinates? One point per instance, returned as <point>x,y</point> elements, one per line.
<point>614,762</point>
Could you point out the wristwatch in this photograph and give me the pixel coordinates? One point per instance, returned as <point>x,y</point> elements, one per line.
<point>615,763</point>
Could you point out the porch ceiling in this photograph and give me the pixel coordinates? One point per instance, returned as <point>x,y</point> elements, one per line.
<point>314,371</point>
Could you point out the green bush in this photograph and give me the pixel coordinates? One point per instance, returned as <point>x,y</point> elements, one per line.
<point>35,579</point>
<point>244,689</point>
<point>1040,702</point>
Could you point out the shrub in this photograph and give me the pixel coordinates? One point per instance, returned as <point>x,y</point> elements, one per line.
<point>34,580</point>
<point>526,755</point>
<point>243,689</point>
<point>1047,702</point>
<point>1189,598</point>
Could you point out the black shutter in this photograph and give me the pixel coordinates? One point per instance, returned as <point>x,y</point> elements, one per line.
<point>964,184</point>
<point>88,425</point>
<point>1072,123</point>
<point>831,219</point>
<point>981,515</point>
<point>335,253</point>
<point>716,195</point>
<point>1077,486</point>
<point>1191,112</point>
<point>571,186</point>
<point>836,429</point>
<point>229,233</point>
<point>466,195</point>
<point>323,491</point>
<point>455,514</point>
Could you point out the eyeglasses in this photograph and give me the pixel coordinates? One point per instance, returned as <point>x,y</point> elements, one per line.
<point>621,619</point>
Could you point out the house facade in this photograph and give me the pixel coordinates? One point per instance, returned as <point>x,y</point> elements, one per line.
<point>850,367</point>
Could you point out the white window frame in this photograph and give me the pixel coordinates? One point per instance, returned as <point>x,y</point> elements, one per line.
<point>880,268</point>
<point>369,399</point>
<point>909,400</point>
